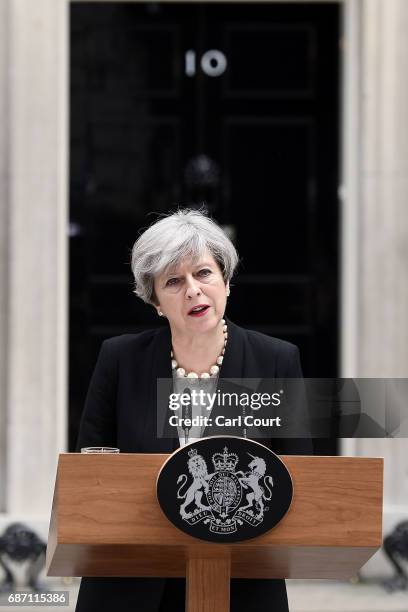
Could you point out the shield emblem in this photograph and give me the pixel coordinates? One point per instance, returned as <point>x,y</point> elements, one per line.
<point>224,489</point>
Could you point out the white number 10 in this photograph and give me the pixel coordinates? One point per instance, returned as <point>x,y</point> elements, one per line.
<point>213,63</point>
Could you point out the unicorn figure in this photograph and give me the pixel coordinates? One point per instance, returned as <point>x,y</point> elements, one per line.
<point>251,480</point>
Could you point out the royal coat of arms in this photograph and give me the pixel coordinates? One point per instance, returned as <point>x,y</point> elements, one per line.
<point>227,496</point>
<point>219,489</point>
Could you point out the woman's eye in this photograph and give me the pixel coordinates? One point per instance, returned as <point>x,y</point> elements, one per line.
<point>172,281</point>
<point>205,272</point>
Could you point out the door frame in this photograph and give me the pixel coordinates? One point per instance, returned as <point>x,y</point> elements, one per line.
<point>348,189</point>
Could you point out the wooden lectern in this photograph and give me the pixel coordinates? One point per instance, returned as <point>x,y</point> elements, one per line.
<point>106,521</point>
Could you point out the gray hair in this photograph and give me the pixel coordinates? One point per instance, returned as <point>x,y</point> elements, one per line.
<point>187,233</point>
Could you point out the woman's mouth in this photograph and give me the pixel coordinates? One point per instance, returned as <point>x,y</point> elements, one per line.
<point>199,311</point>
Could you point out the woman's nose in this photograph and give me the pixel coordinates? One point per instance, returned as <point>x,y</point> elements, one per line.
<point>193,288</point>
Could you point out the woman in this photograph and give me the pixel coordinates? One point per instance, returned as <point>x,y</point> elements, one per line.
<point>182,265</point>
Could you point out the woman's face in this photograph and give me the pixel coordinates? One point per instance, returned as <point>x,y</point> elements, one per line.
<point>188,286</point>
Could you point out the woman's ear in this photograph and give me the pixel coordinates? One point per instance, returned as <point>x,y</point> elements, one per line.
<point>227,288</point>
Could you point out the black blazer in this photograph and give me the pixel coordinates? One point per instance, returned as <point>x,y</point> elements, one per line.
<point>120,407</point>
<point>120,411</point>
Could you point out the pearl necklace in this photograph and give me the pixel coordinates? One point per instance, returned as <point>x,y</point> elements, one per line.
<point>181,373</point>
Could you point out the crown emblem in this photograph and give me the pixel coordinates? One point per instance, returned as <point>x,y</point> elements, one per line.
<point>192,452</point>
<point>225,460</point>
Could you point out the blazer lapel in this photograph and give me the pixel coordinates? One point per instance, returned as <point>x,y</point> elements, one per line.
<point>233,365</point>
<point>160,368</point>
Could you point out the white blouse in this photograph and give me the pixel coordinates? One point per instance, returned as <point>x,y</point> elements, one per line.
<point>200,409</point>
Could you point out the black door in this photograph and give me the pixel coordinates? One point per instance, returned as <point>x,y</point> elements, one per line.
<point>234,105</point>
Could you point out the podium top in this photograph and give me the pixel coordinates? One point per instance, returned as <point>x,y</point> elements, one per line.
<point>106,521</point>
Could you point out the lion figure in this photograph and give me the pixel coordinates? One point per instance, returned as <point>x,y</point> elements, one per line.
<point>198,470</point>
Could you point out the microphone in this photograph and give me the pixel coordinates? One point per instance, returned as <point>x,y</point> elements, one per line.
<point>186,413</point>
